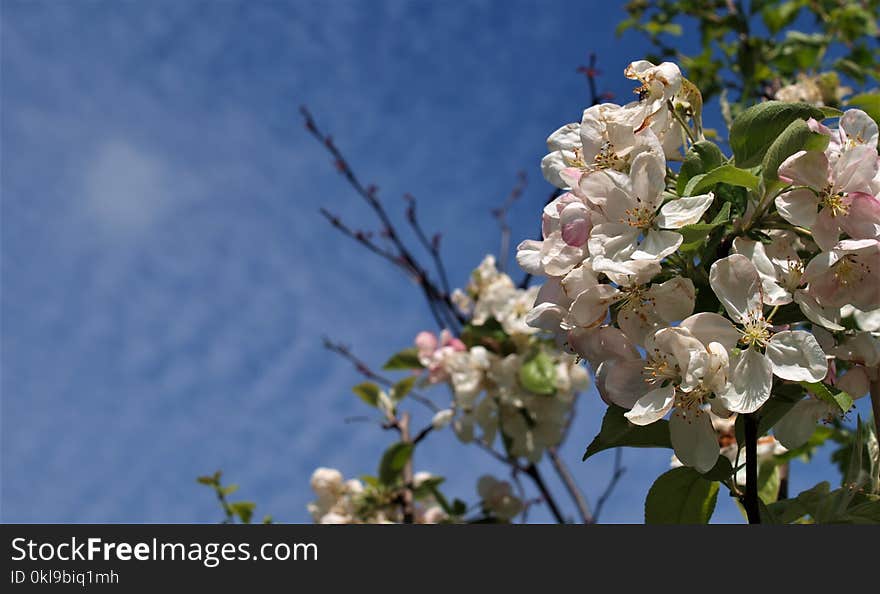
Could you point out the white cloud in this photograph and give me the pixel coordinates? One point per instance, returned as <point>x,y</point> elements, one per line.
<point>126,188</point>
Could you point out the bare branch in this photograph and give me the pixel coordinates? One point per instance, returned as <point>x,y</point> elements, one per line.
<point>500,215</point>
<point>615,478</point>
<point>570,485</point>
<point>444,311</point>
<point>365,370</point>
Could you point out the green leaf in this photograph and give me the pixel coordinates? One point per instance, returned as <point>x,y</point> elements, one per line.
<point>841,400</point>
<point>393,461</point>
<point>727,174</point>
<point>459,507</point>
<point>244,510</point>
<point>768,482</point>
<point>617,431</point>
<point>767,516</point>
<point>402,388</point>
<point>796,137</point>
<point>654,28</point>
<point>538,374</point>
<point>211,480</point>
<point>855,472</point>
<point>703,156</point>
<point>229,489</point>
<point>722,470</point>
<point>723,215</point>
<point>777,17</point>
<point>830,112</point>
<point>864,513</point>
<point>405,359</point>
<point>369,480</point>
<point>755,129</point>
<point>490,334</point>
<point>696,232</point>
<point>368,392</point>
<point>681,496</point>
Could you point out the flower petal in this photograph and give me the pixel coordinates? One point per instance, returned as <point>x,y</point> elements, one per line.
<point>805,168</point>
<point>737,285</point>
<point>591,306</point>
<point>625,382</point>
<point>798,207</point>
<point>855,169</point>
<point>754,251</point>
<point>863,219</point>
<point>675,214</point>
<point>859,127</point>
<point>575,223</point>
<point>827,317</point>
<point>826,230</point>
<point>751,377</point>
<point>648,174</point>
<point>674,299</point>
<point>796,356</point>
<point>528,256</point>
<point>710,327</point>
<point>614,241</point>
<point>657,245</point>
<point>694,439</point>
<point>651,407</point>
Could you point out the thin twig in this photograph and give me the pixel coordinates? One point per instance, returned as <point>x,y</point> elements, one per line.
<point>365,370</point>
<point>571,486</point>
<point>440,302</point>
<point>616,474</point>
<point>432,245</point>
<point>532,471</point>
<point>500,215</point>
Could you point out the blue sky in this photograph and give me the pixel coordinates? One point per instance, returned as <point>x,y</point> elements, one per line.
<point>166,275</point>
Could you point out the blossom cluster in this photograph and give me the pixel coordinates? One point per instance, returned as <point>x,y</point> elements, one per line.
<point>623,284</point>
<point>351,501</point>
<point>508,381</point>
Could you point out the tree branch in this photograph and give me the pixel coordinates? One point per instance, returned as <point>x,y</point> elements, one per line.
<point>362,368</point>
<point>441,305</point>
<point>532,471</point>
<point>571,486</point>
<point>616,474</point>
<point>750,499</point>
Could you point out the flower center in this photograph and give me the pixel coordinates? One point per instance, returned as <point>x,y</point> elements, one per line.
<point>634,297</point>
<point>659,370</point>
<point>833,201</point>
<point>791,278</point>
<point>849,271</point>
<point>606,158</point>
<point>756,331</point>
<point>640,216</point>
<point>690,402</point>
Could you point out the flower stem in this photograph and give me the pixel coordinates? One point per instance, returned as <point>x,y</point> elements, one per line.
<point>750,499</point>
<point>681,121</point>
